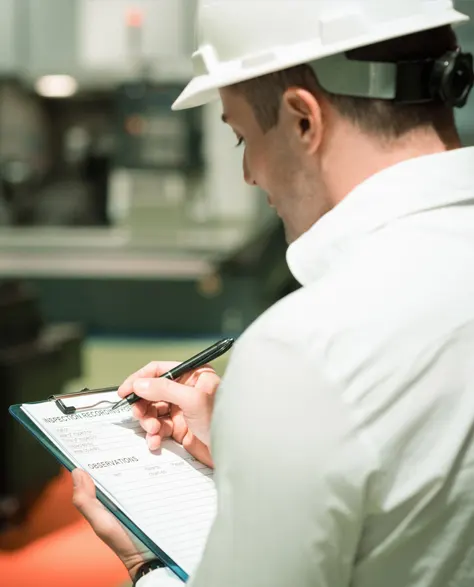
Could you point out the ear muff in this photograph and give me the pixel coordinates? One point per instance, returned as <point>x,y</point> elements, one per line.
<point>452,78</point>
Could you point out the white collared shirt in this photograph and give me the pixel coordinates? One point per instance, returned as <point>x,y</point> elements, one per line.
<point>343,433</point>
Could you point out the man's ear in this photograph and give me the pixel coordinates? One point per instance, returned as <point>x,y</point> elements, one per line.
<point>303,112</point>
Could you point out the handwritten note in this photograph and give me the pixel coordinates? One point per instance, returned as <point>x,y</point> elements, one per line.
<point>168,494</point>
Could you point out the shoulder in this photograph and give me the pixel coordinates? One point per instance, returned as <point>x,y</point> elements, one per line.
<point>387,301</point>
<point>292,322</point>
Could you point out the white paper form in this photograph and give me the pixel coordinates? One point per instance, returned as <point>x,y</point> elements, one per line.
<point>169,495</point>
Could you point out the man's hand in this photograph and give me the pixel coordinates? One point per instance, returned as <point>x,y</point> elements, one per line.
<point>105,525</point>
<point>180,410</point>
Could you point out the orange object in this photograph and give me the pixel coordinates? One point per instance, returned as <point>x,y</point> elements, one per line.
<point>56,547</point>
<point>71,557</point>
<point>52,511</point>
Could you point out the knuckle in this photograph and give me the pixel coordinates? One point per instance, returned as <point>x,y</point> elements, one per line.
<point>187,441</point>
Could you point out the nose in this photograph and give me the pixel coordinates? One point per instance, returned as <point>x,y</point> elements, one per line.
<point>247,175</point>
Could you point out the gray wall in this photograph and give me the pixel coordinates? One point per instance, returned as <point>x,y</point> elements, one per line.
<point>465,32</point>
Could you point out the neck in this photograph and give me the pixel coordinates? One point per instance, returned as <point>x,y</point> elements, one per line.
<point>352,157</point>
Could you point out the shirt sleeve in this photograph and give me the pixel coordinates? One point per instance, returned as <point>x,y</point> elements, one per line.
<point>291,475</point>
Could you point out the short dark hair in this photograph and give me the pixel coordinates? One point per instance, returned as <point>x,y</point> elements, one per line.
<point>383,118</point>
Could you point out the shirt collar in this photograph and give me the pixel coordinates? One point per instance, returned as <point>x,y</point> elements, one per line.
<point>407,188</point>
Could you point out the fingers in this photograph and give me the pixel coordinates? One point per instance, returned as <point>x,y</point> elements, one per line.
<point>184,396</point>
<point>140,409</point>
<point>166,431</point>
<point>164,390</point>
<point>153,442</point>
<point>197,449</point>
<point>152,418</point>
<point>150,422</point>
<point>84,488</point>
<point>180,427</point>
<point>104,524</point>
<point>153,369</point>
<point>162,409</point>
<point>84,498</point>
<point>208,382</point>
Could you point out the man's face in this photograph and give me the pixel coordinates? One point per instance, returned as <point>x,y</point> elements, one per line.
<point>277,162</point>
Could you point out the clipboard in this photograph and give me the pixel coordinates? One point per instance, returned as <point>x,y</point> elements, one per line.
<point>22,417</point>
<point>67,410</point>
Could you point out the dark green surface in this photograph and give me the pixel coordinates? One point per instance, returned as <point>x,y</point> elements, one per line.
<point>149,308</point>
<point>152,104</point>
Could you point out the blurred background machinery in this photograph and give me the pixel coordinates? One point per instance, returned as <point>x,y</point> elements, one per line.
<point>112,205</point>
<point>126,234</point>
<point>36,360</point>
<point>126,231</point>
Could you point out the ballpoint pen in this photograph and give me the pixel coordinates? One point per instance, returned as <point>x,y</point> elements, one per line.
<point>199,360</point>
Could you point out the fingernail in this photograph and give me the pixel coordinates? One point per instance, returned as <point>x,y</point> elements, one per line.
<point>141,385</point>
<point>76,478</point>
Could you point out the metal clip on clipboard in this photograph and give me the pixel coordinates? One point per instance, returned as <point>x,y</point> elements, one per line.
<point>68,410</point>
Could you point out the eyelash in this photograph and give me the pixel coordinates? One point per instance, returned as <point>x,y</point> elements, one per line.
<point>240,142</point>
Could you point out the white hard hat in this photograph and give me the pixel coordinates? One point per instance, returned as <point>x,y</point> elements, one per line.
<point>240,40</point>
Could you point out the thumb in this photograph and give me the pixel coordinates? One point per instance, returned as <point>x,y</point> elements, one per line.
<point>84,490</point>
<point>83,483</point>
<point>103,522</point>
<point>84,498</point>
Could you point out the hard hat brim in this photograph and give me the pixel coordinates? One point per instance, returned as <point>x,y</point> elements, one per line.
<point>205,88</point>
<point>201,90</point>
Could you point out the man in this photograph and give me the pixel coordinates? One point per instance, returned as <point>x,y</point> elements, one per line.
<point>343,432</point>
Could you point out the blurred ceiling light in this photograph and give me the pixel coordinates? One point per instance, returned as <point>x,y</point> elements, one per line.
<point>56,86</point>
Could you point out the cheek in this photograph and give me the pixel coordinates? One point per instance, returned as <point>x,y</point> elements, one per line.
<point>278,174</point>
<point>253,163</point>
<point>266,167</point>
